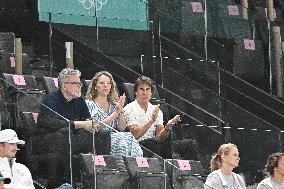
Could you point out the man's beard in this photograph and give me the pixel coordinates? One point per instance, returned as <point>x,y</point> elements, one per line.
<point>76,94</point>
<point>12,154</point>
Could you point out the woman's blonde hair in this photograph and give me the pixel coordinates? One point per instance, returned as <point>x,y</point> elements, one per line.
<point>92,93</point>
<point>216,160</point>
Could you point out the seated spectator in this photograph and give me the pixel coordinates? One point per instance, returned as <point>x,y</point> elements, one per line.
<point>63,110</point>
<point>19,174</point>
<point>275,168</point>
<point>105,106</point>
<point>222,165</point>
<point>145,121</point>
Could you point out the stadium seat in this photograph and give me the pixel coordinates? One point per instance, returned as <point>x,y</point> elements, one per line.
<point>50,84</point>
<point>7,42</point>
<point>143,172</point>
<point>8,63</point>
<point>107,173</point>
<point>23,94</point>
<point>85,85</point>
<point>32,135</point>
<point>185,173</point>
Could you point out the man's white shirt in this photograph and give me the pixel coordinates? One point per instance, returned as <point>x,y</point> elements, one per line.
<point>134,114</point>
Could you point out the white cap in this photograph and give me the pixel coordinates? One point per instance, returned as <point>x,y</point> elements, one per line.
<point>10,136</point>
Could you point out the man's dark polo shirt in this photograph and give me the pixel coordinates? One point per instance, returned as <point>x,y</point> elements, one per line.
<point>73,110</point>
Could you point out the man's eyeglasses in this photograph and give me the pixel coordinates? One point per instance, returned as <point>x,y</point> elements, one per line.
<point>79,84</point>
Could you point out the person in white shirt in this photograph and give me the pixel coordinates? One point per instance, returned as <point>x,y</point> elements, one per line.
<point>222,165</point>
<point>145,121</point>
<point>19,174</point>
<point>275,168</point>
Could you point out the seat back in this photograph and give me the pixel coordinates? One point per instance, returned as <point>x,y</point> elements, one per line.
<point>85,85</point>
<point>8,63</point>
<point>248,59</point>
<point>34,135</point>
<point>261,14</point>
<point>185,173</point>
<point>23,94</point>
<point>186,167</point>
<point>29,120</point>
<point>102,163</point>
<point>29,124</point>
<point>107,174</point>
<point>22,82</point>
<point>141,165</point>
<point>7,41</point>
<point>230,15</point>
<point>50,84</point>
<point>128,89</point>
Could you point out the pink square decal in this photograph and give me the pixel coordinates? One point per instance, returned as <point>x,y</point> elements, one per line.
<point>35,115</point>
<point>233,10</point>
<point>249,44</point>
<point>142,162</point>
<point>196,7</point>
<point>13,62</point>
<point>55,81</point>
<point>99,160</point>
<point>184,165</point>
<point>19,80</point>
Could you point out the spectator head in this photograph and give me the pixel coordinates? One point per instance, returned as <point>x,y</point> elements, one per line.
<point>92,92</point>
<point>65,74</point>
<point>69,83</point>
<point>8,143</point>
<point>143,80</point>
<point>224,152</point>
<point>274,163</point>
<point>10,136</point>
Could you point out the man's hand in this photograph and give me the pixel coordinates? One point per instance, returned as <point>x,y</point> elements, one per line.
<point>88,125</point>
<point>155,113</point>
<point>172,122</point>
<point>92,126</point>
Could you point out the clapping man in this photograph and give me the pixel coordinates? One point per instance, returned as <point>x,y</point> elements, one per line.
<point>145,121</point>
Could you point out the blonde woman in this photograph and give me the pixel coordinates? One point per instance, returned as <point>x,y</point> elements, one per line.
<point>222,165</point>
<point>104,105</point>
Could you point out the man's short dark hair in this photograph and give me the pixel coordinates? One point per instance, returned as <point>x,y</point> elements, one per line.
<point>272,162</point>
<point>143,80</point>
